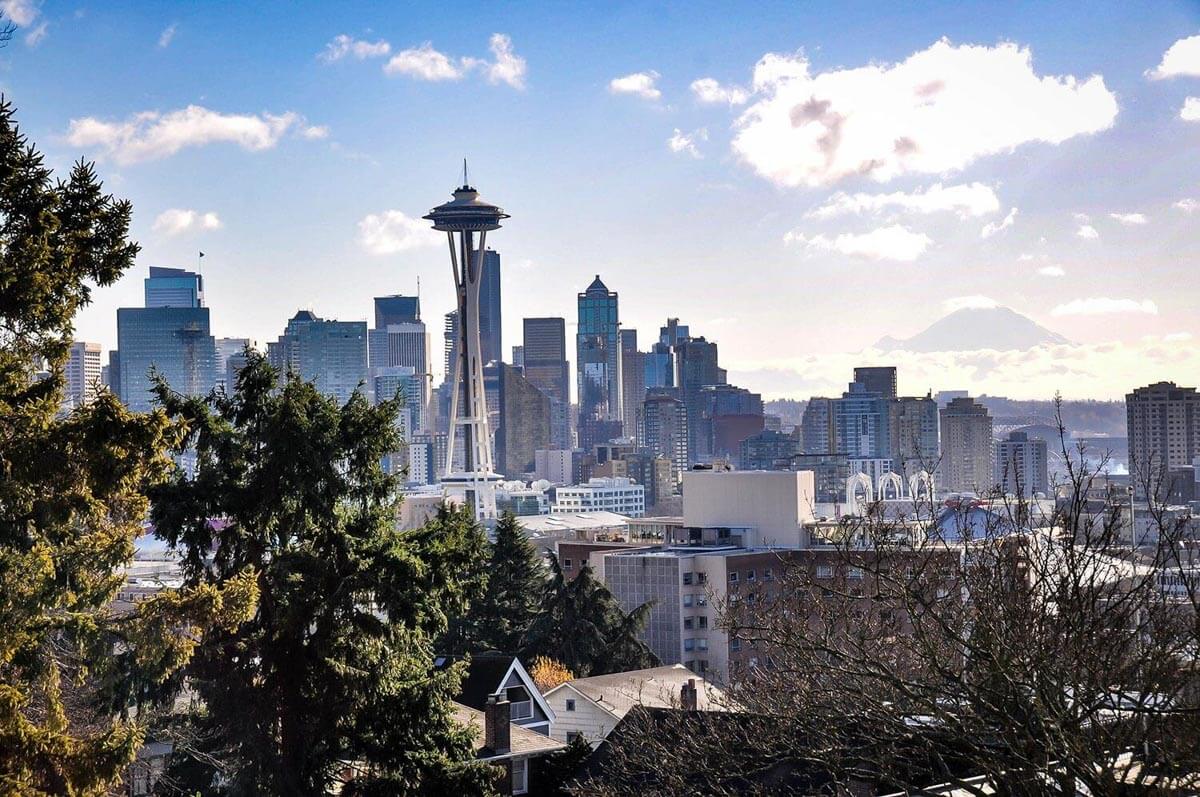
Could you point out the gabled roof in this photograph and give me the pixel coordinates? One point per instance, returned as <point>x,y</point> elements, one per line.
<point>659,687</point>
<point>522,741</point>
<point>485,673</point>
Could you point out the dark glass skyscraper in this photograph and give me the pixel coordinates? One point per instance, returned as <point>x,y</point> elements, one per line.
<point>490,315</point>
<point>396,309</point>
<point>547,369</point>
<point>598,359</point>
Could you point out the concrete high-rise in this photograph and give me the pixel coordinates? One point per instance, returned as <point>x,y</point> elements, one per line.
<point>170,335</point>
<point>523,425</point>
<point>818,427</point>
<point>913,427</point>
<point>1021,465</point>
<point>466,220</point>
<point>544,343</point>
<point>598,361</point>
<point>1163,423</point>
<point>662,429</point>
<point>879,379</point>
<point>81,374</point>
<point>967,448</point>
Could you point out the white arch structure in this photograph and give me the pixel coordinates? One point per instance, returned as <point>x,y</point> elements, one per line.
<point>892,479</point>
<point>915,482</point>
<point>858,480</point>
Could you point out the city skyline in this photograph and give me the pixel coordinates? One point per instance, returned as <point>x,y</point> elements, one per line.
<point>306,195</point>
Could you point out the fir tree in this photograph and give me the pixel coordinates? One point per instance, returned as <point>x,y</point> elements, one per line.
<point>336,664</point>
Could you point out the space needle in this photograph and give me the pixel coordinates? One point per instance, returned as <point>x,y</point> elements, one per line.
<point>466,215</point>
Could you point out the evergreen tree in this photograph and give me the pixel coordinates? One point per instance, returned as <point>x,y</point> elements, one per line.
<point>582,626</point>
<point>516,581</point>
<point>72,500</point>
<point>335,667</point>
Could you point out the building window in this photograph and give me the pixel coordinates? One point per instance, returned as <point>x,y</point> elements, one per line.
<point>570,705</point>
<point>520,775</point>
<point>701,578</point>
<point>767,576</point>
<point>733,577</point>
<point>701,600</point>
<point>687,579</point>
<point>855,572</point>
<point>689,644</point>
<point>749,575</point>
<point>703,621</point>
<point>691,665</point>
<point>703,665</point>
<point>701,644</point>
<point>687,600</point>
<point>566,564</point>
<point>735,644</point>
<point>824,571</point>
<point>687,623</point>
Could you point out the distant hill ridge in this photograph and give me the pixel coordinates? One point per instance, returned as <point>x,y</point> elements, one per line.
<point>968,329</point>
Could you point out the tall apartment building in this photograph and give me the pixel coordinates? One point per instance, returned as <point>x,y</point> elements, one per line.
<point>862,419</point>
<point>81,373</point>
<point>598,362</point>
<point>913,426</point>
<point>633,381</point>
<point>878,379</point>
<point>662,429</point>
<point>1163,422</point>
<point>331,354</point>
<point>967,447</point>
<point>170,335</point>
<point>1021,468</point>
<point>818,427</point>
<point>544,345</point>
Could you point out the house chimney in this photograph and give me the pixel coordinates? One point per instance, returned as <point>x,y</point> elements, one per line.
<point>688,697</point>
<point>496,732</point>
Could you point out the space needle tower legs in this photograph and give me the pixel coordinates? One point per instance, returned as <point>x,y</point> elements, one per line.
<point>461,218</point>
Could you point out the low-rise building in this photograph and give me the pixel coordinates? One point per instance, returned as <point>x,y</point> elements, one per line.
<point>623,496</point>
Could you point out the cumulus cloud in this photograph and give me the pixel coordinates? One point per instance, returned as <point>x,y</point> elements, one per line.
<point>991,228</point>
<point>20,12</point>
<point>1187,205</point>
<point>1190,112</point>
<point>894,242</point>
<point>344,46</point>
<point>640,84</point>
<point>1129,219</point>
<point>426,63</point>
<point>1181,59</point>
<point>973,302</point>
<point>710,92</point>
<point>686,142</point>
<point>177,221</point>
<point>968,199</point>
<point>1052,271</point>
<point>393,231</point>
<point>1102,305</point>
<point>508,67</point>
<point>167,36</point>
<point>936,112</point>
<point>151,135</point>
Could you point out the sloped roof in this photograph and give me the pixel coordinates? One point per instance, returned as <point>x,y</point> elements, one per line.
<point>656,687</point>
<point>522,741</point>
<point>597,288</point>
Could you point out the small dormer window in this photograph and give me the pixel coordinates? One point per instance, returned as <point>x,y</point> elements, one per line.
<point>570,704</point>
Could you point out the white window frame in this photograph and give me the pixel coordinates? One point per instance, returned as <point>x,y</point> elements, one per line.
<point>520,784</point>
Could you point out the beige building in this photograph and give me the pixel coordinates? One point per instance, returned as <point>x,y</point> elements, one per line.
<point>762,507</point>
<point>967,448</point>
<point>592,707</point>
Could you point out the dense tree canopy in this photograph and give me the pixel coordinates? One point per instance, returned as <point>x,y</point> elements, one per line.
<point>72,500</point>
<point>335,667</point>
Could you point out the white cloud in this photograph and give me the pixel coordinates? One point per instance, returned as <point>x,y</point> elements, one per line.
<point>151,135</point>
<point>36,34</point>
<point>343,46</point>
<point>1177,337</point>
<point>1187,205</point>
<point>315,132</point>
<point>710,92</point>
<point>168,34</point>
<point>1082,218</point>
<point>1052,271</point>
<point>426,63</point>
<point>1181,59</point>
<point>686,142</point>
<point>640,84</point>
<point>968,199</point>
<point>1129,219</point>
<point>393,231</point>
<point>508,67</point>
<point>1102,305</point>
<point>1190,112</point>
<point>973,302</point>
<point>894,242</point>
<point>936,112</point>
<point>991,228</point>
<point>1087,232</point>
<point>20,12</point>
<point>178,221</point>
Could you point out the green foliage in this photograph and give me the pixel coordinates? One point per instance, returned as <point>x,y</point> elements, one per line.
<point>582,626</point>
<point>72,499</point>
<point>516,581</point>
<point>555,772</point>
<point>335,666</point>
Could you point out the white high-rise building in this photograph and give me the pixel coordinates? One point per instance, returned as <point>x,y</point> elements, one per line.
<point>82,373</point>
<point>618,494</point>
<point>1021,465</point>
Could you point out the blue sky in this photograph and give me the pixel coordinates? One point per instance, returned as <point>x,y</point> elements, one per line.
<point>795,246</point>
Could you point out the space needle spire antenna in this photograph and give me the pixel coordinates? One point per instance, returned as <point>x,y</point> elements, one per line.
<point>466,220</point>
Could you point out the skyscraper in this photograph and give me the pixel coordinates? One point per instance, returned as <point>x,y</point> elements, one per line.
<point>695,368</point>
<point>545,351</point>
<point>523,425</point>
<point>490,315</point>
<point>81,373</point>
<point>879,379</point>
<point>598,360</point>
<point>1163,423</point>
<point>967,447</point>
<point>1021,465</point>
<point>396,309</point>
<point>862,418</point>
<point>170,334</point>
<point>662,429</point>
<point>818,427</point>
<point>633,380</point>
<point>913,427</point>
<point>230,349</point>
<point>330,354</point>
